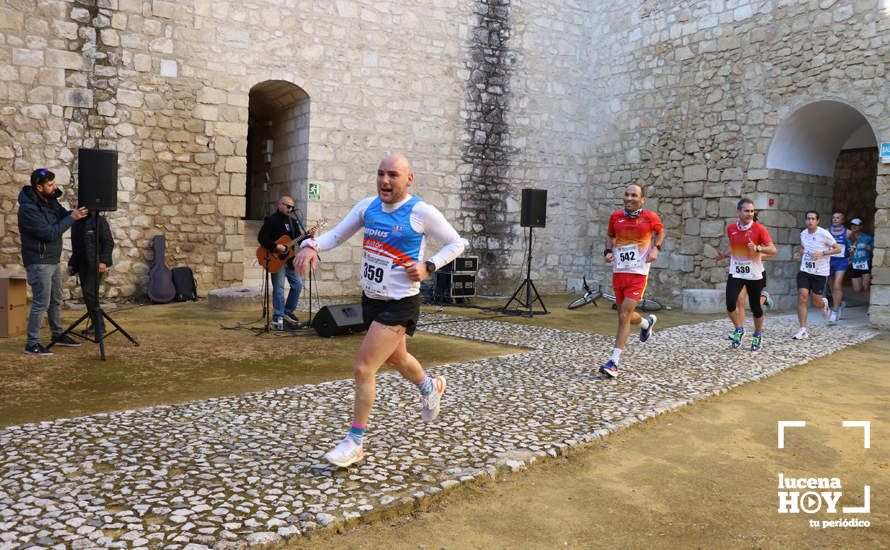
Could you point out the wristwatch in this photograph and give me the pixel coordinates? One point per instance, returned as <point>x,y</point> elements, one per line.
<point>430,266</point>
<point>607,251</point>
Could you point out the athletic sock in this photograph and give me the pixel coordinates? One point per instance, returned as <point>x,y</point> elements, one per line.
<point>356,432</point>
<point>425,386</point>
<point>644,324</point>
<point>616,354</point>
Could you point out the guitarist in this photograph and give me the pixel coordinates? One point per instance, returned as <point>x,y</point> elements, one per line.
<point>283,222</point>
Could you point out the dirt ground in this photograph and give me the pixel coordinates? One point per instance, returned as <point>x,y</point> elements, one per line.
<point>703,477</point>
<point>186,351</point>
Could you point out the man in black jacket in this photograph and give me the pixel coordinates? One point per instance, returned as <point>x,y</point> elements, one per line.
<point>283,223</point>
<point>42,220</point>
<point>91,262</point>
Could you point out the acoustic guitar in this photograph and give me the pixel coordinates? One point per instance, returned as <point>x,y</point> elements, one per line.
<point>272,261</point>
<point>160,279</point>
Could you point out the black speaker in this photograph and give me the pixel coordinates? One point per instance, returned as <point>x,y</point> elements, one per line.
<point>338,320</point>
<point>534,208</point>
<point>97,179</point>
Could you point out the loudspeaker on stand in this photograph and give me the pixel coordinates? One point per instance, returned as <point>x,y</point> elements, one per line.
<point>97,179</point>
<point>534,208</point>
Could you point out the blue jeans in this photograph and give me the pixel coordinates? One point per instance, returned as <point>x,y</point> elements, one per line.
<point>279,306</point>
<point>46,295</point>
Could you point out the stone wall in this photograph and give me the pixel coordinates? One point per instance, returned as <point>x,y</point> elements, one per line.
<point>689,96</point>
<point>485,97</point>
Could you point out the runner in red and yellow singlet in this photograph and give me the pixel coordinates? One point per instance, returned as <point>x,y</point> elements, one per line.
<point>630,249</point>
<point>749,241</point>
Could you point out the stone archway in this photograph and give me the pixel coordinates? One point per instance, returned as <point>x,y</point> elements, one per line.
<point>279,118</point>
<point>822,157</point>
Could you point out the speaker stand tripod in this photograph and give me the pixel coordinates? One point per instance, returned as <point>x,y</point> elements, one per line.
<point>527,285</point>
<point>98,314</point>
<point>267,310</point>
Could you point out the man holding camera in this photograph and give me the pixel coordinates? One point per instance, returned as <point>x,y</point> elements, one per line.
<point>42,221</point>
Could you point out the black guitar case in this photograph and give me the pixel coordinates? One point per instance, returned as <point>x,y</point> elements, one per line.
<point>160,278</point>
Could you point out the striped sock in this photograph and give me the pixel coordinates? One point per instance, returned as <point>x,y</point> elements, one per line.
<point>425,386</point>
<point>356,432</point>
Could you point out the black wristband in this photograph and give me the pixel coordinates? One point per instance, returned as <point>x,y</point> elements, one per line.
<point>658,246</point>
<point>606,252</point>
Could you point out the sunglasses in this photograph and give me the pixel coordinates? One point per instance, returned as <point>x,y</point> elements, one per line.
<point>291,207</point>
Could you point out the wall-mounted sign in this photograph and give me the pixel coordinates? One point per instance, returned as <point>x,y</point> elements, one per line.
<point>314,191</point>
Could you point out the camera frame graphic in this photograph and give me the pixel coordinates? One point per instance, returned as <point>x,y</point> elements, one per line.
<point>782,425</point>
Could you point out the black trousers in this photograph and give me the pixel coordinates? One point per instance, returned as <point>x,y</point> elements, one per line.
<point>734,288</point>
<point>90,278</point>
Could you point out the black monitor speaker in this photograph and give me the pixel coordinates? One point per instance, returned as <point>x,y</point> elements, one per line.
<point>97,179</point>
<point>338,320</point>
<point>534,208</point>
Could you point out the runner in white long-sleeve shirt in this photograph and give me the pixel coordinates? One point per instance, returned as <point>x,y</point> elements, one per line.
<point>395,226</point>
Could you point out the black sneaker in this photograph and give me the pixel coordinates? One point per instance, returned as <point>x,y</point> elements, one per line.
<point>65,340</point>
<point>37,349</point>
<point>290,319</point>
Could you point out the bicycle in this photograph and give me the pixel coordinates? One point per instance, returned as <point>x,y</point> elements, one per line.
<point>591,295</point>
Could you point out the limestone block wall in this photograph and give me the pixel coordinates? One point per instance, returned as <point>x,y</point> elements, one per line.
<point>688,98</point>
<point>485,97</point>
<point>167,85</point>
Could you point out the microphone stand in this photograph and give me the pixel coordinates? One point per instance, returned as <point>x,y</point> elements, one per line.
<point>301,230</point>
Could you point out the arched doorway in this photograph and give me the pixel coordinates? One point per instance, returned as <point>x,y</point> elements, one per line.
<point>824,157</point>
<point>277,146</point>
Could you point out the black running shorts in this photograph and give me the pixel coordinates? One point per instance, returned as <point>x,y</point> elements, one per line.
<point>813,283</point>
<point>404,312</point>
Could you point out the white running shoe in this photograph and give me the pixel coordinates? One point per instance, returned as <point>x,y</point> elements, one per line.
<point>832,319</point>
<point>801,334</point>
<point>345,453</point>
<point>429,404</point>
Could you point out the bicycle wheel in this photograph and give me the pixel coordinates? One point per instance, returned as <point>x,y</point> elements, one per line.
<point>584,300</point>
<point>649,305</point>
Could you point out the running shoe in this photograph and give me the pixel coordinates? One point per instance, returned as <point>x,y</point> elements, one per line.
<point>832,319</point>
<point>756,342</point>
<point>841,310</point>
<point>801,334</point>
<point>737,337</point>
<point>769,303</point>
<point>826,311</point>
<point>610,368</point>
<point>346,453</point>
<point>645,333</point>
<point>429,404</point>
